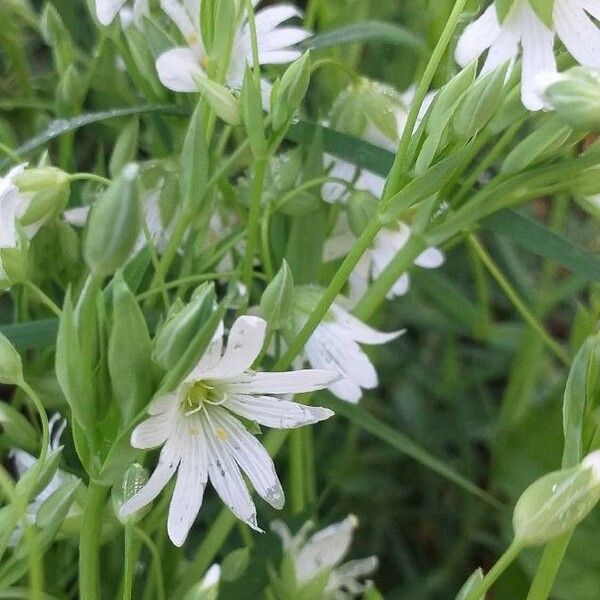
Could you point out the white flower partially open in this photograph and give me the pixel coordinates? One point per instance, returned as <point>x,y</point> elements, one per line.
<point>334,345</point>
<point>522,32</point>
<point>386,245</point>
<point>203,439</point>
<point>326,549</point>
<point>179,67</point>
<point>107,10</point>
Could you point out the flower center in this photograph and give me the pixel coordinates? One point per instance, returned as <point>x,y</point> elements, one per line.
<point>199,393</point>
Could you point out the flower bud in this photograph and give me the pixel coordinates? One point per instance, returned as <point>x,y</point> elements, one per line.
<point>557,503</point>
<point>362,208</point>
<point>208,587</point>
<point>47,192</point>
<point>252,113</point>
<point>114,224</point>
<point>289,93</point>
<point>133,481</point>
<point>176,335</point>
<point>575,95</point>
<point>276,300</point>
<point>221,100</point>
<point>69,92</point>
<point>11,368</point>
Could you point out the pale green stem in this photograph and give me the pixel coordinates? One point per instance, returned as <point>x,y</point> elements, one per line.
<point>43,298</point>
<point>548,568</point>
<point>399,167</point>
<point>518,303</point>
<point>492,576</point>
<point>90,177</point>
<point>45,443</point>
<point>156,561</point>
<point>330,294</point>
<point>129,567</point>
<point>89,542</point>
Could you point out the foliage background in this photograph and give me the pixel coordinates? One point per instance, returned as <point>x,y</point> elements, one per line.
<point>469,382</point>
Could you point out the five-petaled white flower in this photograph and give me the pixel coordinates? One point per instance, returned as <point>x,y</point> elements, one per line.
<point>523,31</point>
<point>334,345</point>
<point>325,550</point>
<point>203,439</point>
<point>179,67</point>
<point>107,10</point>
<point>386,245</point>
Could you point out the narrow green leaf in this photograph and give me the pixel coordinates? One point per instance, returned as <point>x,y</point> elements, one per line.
<point>369,31</point>
<point>363,419</point>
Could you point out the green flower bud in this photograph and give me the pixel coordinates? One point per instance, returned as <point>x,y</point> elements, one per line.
<point>575,95</point>
<point>133,481</point>
<point>557,503</point>
<point>276,301</point>
<point>69,92</point>
<point>177,333</point>
<point>47,189</point>
<point>252,113</point>
<point>11,368</point>
<point>362,208</point>
<point>208,587</point>
<point>480,102</point>
<point>221,100</point>
<point>114,224</point>
<point>289,93</point>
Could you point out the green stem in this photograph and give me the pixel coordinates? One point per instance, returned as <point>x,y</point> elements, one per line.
<point>175,283</point>
<point>298,483</point>
<point>399,167</point>
<point>41,296</point>
<point>156,561</point>
<point>90,177</point>
<point>129,563</point>
<point>512,295</point>
<point>253,38</point>
<point>330,294</point>
<point>254,220</point>
<point>45,443</point>
<point>503,563</point>
<point>379,288</point>
<point>89,542</point>
<point>548,568</point>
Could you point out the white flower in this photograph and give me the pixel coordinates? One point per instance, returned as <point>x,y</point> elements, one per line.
<point>523,32</point>
<point>386,245</point>
<point>179,67</point>
<point>326,549</point>
<point>107,10</point>
<point>334,345</point>
<point>203,439</point>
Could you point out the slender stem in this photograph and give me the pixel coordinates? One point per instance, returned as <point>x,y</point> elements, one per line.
<point>45,443</point>
<point>129,563</point>
<point>331,62</point>
<point>330,294</point>
<point>298,483</point>
<point>307,185</point>
<point>254,220</point>
<point>42,297</point>
<point>156,264</point>
<point>90,177</point>
<point>175,283</point>
<point>550,562</point>
<point>253,38</point>
<point>399,167</point>
<point>378,290</point>
<point>89,542</point>
<point>156,561</point>
<point>513,296</point>
<point>491,577</point>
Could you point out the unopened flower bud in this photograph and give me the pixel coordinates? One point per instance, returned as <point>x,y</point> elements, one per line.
<point>575,95</point>
<point>290,91</point>
<point>221,100</point>
<point>557,503</point>
<point>114,224</point>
